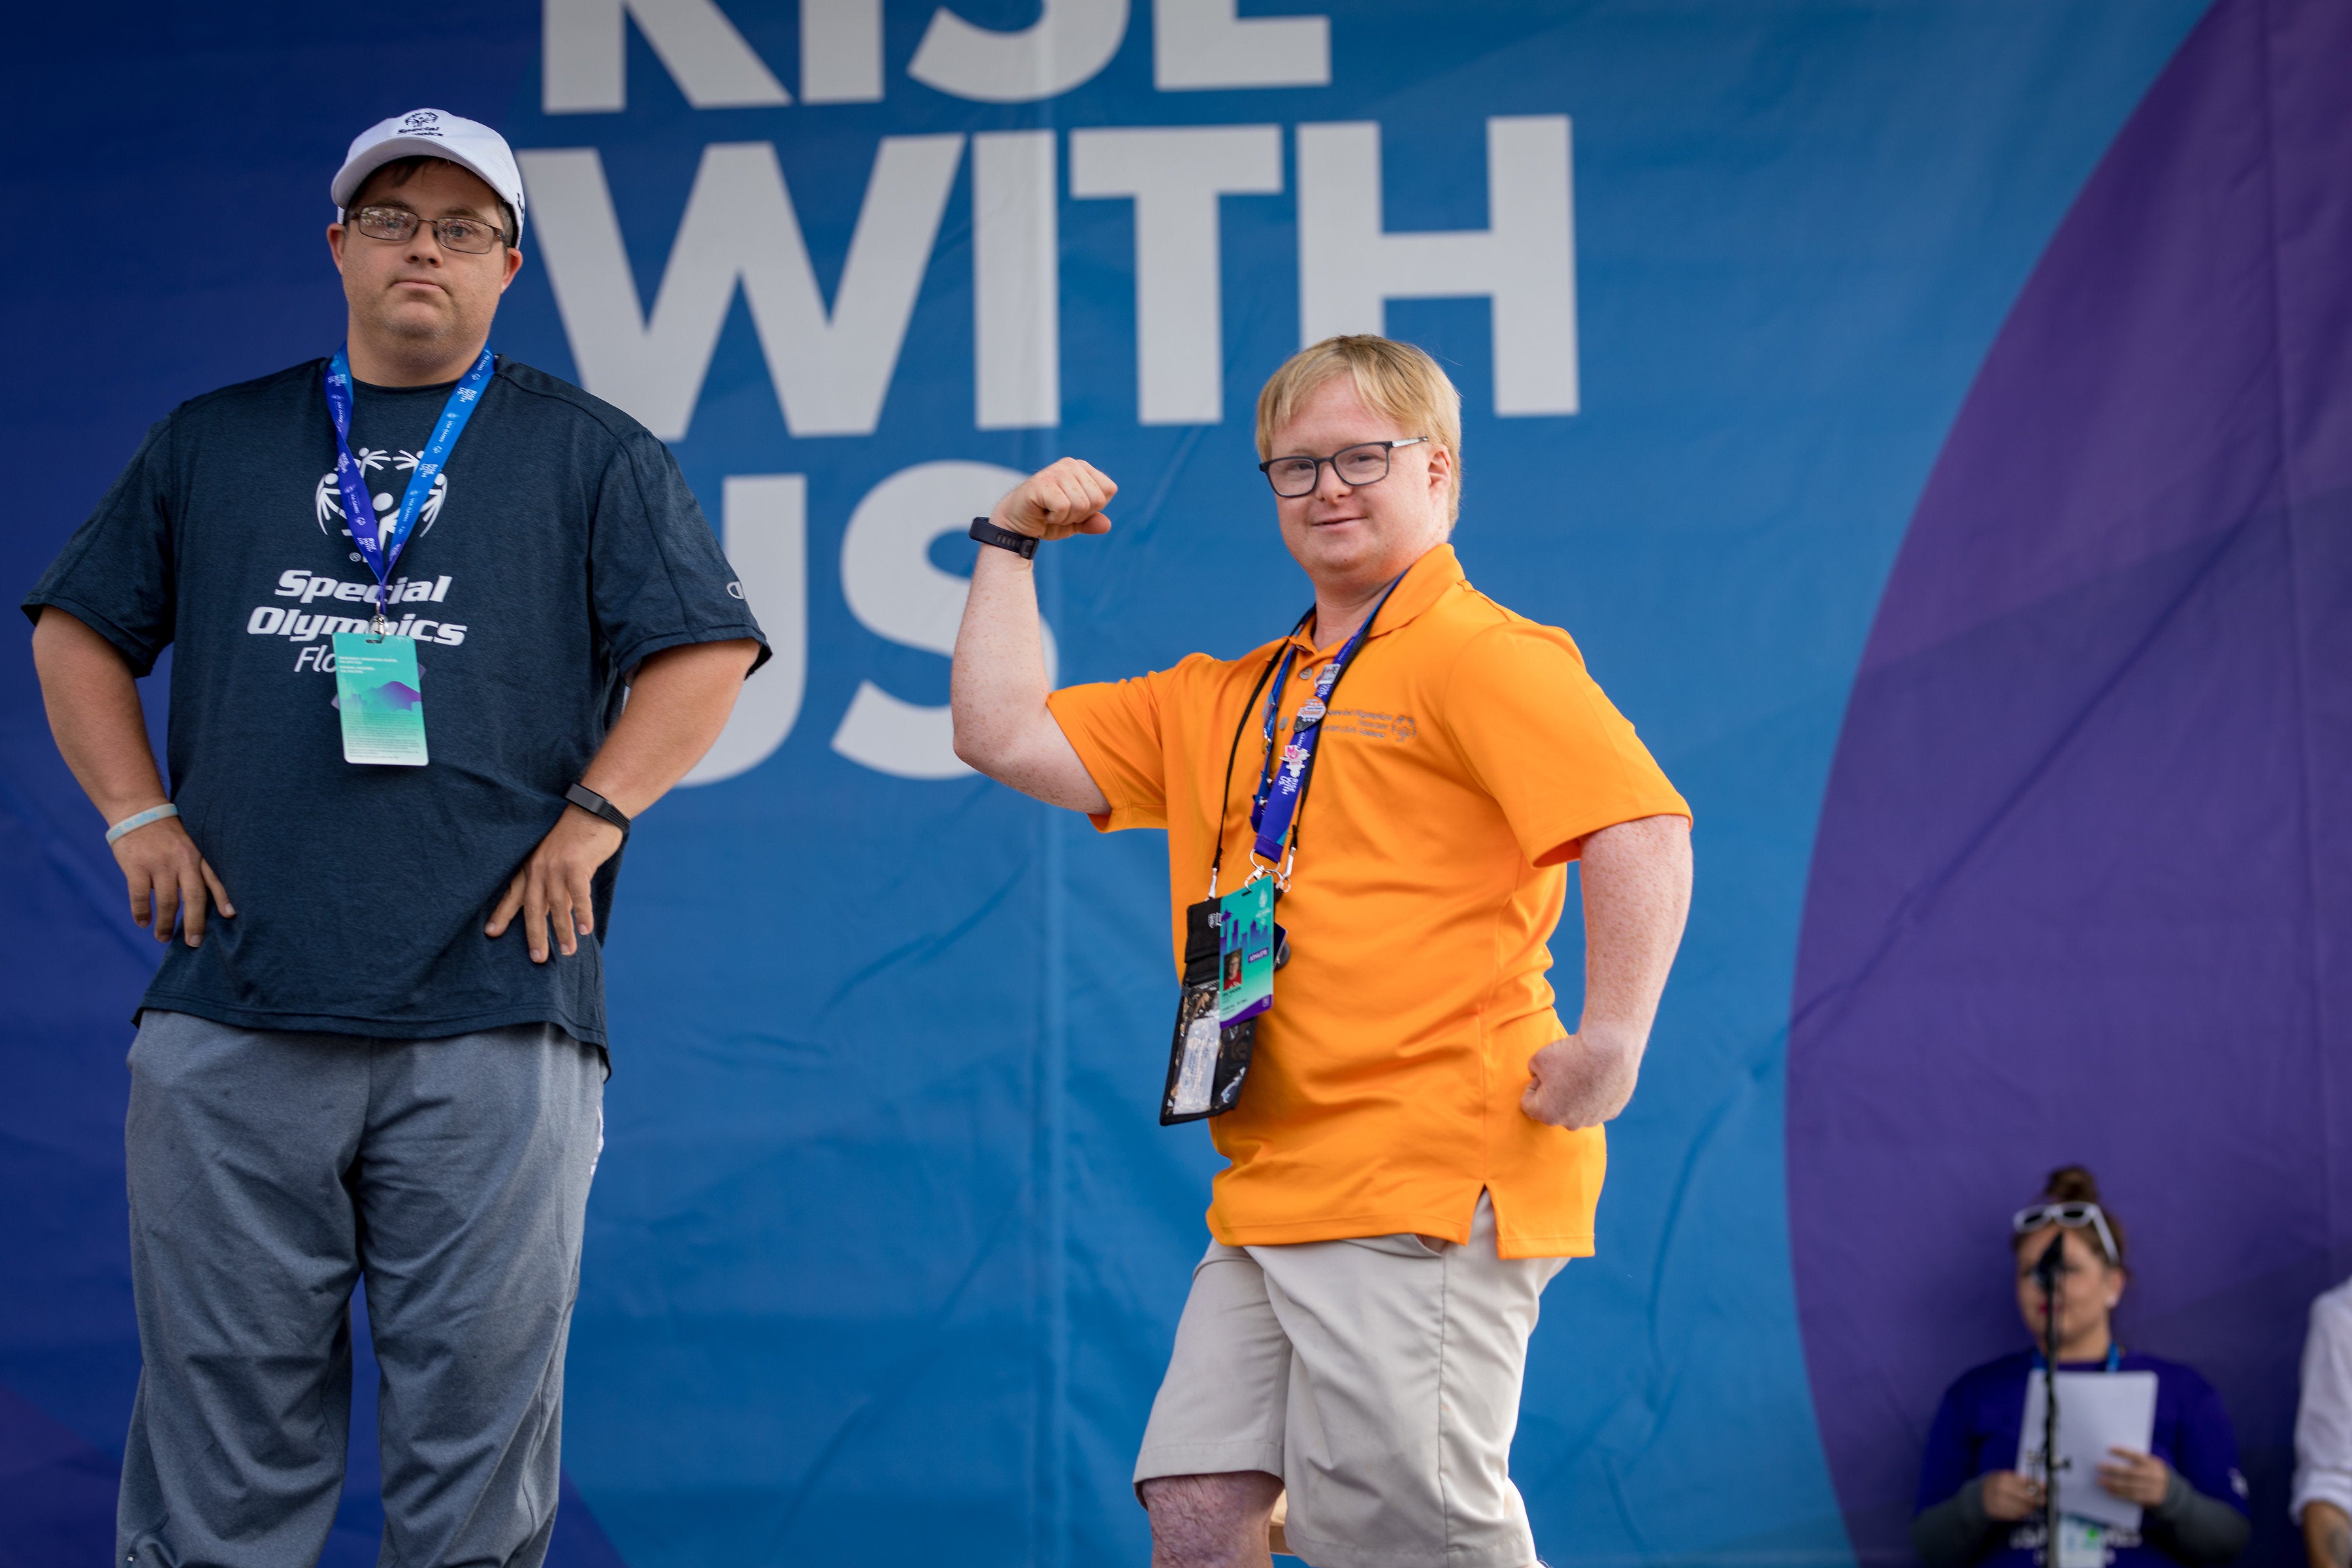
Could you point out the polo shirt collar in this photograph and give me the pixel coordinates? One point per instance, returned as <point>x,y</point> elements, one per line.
<point>1426,580</point>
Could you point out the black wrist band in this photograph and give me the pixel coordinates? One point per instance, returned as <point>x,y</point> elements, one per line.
<point>595,805</point>
<point>1025,545</point>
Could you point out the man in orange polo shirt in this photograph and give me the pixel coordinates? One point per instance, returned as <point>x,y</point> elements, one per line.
<point>1417,1146</point>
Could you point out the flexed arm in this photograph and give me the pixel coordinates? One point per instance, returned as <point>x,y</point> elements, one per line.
<point>1002,726</point>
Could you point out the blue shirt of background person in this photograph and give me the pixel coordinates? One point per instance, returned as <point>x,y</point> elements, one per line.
<point>1975,1507</point>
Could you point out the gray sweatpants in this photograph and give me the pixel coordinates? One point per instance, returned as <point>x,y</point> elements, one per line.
<point>269,1170</point>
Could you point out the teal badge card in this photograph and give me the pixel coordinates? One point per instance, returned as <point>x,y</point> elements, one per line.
<point>1245,953</point>
<point>376,692</point>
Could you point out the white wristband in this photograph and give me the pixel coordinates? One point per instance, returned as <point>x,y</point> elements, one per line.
<point>133,823</point>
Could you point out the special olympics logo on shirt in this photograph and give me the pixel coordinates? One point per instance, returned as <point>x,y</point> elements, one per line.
<point>327,498</point>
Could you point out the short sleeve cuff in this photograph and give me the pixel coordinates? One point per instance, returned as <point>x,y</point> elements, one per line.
<point>135,653</point>
<point>1068,709</point>
<point>2328,1486</point>
<point>1564,842</point>
<point>626,659</point>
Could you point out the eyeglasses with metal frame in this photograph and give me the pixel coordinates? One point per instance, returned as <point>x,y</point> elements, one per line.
<point>1366,463</point>
<point>465,235</point>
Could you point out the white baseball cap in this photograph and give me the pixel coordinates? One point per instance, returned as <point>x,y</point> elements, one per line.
<point>433,133</point>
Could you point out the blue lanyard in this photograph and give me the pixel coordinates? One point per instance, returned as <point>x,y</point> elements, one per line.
<point>1281,791</point>
<point>380,544</point>
<point>2115,1358</point>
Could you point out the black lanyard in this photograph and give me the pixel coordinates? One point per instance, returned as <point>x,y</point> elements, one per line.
<point>1225,794</point>
<point>1309,744</point>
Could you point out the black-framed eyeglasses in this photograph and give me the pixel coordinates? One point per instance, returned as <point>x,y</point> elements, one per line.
<point>466,236</point>
<point>1366,463</point>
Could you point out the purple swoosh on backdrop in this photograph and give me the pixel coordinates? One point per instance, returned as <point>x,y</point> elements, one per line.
<point>2080,887</point>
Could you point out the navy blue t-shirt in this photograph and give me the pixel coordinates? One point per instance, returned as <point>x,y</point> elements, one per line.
<point>558,547</point>
<point>1983,1416</point>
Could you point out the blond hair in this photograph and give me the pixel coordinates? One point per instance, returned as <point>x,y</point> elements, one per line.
<point>1396,380</point>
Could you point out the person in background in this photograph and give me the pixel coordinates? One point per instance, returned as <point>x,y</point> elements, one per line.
<point>2323,1433</point>
<point>1974,1505</point>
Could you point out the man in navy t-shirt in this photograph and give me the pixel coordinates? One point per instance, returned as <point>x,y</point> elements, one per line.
<point>353,1063</point>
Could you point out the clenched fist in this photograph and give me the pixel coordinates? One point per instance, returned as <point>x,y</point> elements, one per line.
<point>1584,1080</point>
<point>1057,502</point>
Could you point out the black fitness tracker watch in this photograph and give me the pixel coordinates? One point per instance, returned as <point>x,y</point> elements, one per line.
<point>595,805</point>
<point>1025,545</point>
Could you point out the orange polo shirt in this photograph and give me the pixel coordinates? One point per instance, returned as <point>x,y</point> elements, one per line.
<point>1465,756</point>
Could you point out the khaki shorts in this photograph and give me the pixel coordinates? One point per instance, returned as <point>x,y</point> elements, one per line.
<point>1378,1377</point>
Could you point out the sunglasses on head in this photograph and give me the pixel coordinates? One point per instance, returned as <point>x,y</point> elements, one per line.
<point>2074,1216</point>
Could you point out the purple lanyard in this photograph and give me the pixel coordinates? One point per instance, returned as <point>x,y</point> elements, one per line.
<point>380,544</point>
<point>1274,810</point>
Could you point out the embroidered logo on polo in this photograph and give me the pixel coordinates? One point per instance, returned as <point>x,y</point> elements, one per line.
<point>327,498</point>
<point>1372,726</point>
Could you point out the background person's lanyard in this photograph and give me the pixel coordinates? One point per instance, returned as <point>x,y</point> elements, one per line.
<point>2115,1358</point>
<point>380,544</point>
<point>1274,810</point>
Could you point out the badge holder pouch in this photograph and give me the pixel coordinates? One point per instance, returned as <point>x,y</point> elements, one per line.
<point>1208,1063</point>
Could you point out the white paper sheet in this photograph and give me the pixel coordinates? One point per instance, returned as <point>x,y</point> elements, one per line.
<point>2097,1411</point>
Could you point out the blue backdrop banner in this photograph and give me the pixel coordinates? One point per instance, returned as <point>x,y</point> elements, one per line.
<point>886,1248</point>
